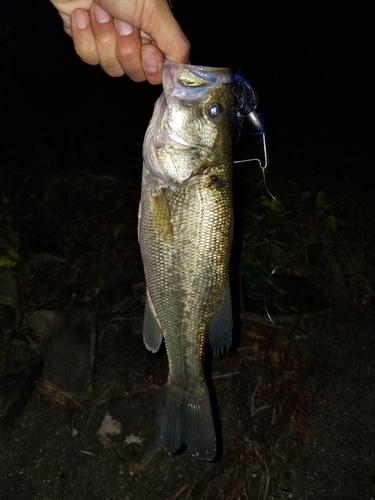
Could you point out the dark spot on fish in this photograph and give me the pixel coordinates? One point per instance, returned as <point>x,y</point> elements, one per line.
<point>213,181</point>
<point>214,110</point>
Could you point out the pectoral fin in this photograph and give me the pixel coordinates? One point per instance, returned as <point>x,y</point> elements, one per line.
<point>220,332</point>
<point>161,214</point>
<point>152,334</point>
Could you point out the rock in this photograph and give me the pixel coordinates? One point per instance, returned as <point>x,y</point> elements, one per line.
<point>17,383</point>
<point>67,341</point>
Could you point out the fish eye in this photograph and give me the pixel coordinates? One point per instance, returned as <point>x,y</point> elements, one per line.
<point>214,110</point>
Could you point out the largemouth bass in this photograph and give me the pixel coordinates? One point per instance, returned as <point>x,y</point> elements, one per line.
<point>185,235</point>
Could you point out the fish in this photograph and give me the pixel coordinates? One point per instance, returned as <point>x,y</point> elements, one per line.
<point>185,232</point>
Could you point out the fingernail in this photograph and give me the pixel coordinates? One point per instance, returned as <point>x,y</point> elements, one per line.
<point>101,15</point>
<point>124,29</point>
<point>149,62</point>
<point>81,19</point>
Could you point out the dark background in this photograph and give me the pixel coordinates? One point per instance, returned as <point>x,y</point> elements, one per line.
<point>311,64</point>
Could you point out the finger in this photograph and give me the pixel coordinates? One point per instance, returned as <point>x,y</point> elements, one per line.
<point>152,62</point>
<point>168,36</point>
<point>105,34</point>
<point>155,19</point>
<point>67,23</point>
<point>83,37</point>
<point>129,51</point>
<point>66,9</point>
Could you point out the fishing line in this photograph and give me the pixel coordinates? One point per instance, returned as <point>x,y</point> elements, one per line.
<point>263,169</point>
<point>265,297</point>
<point>246,110</point>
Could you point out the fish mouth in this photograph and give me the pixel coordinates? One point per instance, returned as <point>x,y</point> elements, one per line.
<point>193,82</point>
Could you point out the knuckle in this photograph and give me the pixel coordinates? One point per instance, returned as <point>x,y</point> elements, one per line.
<point>185,51</point>
<point>88,53</point>
<point>126,52</point>
<point>107,42</point>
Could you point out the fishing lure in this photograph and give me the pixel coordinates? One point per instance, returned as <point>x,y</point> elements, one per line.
<point>246,107</point>
<point>246,110</point>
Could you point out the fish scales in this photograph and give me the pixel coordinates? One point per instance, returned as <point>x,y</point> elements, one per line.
<point>185,233</point>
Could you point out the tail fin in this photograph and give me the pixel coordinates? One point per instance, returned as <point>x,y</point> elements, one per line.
<point>190,423</point>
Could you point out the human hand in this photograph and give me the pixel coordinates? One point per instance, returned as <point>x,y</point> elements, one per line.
<point>125,36</point>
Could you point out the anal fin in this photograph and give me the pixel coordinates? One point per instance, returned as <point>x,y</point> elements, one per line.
<point>220,331</point>
<point>152,333</point>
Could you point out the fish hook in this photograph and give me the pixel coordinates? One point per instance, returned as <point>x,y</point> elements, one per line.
<point>246,108</point>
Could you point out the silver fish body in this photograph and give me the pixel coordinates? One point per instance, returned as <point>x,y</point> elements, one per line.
<point>185,234</point>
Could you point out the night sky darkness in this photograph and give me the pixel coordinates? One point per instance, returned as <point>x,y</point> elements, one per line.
<point>311,64</point>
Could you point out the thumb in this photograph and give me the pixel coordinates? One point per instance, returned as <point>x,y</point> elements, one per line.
<point>154,18</point>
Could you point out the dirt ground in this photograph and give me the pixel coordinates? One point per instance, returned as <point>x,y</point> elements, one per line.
<point>296,419</point>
